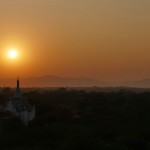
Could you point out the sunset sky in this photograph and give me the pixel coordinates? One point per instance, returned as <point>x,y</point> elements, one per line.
<point>104,39</point>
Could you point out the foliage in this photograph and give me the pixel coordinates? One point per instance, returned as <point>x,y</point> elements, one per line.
<point>74,119</point>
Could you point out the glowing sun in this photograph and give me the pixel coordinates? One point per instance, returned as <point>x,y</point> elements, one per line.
<point>12,54</point>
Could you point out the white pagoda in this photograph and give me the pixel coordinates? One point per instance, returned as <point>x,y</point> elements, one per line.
<point>19,107</point>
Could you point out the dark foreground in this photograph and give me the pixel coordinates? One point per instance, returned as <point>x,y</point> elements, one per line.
<point>74,120</point>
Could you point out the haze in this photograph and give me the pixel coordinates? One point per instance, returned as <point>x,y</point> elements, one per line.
<point>103,39</point>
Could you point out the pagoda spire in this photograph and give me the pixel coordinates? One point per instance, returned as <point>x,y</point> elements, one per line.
<point>18,85</point>
<point>17,92</point>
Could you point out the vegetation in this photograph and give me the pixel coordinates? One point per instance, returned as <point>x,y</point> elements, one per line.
<point>75,119</point>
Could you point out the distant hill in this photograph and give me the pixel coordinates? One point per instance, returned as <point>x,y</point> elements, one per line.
<point>56,81</point>
<point>145,83</point>
<point>53,81</point>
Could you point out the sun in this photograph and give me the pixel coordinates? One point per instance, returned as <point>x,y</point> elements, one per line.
<point>12,54</point>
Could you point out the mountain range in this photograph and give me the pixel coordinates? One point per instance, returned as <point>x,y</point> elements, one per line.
<point>53,81</point>
<point>56,81</point>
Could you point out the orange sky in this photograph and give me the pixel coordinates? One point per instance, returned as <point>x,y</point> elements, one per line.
<point>103,39</point>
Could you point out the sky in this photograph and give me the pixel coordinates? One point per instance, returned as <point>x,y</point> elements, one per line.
<point>102,39</point>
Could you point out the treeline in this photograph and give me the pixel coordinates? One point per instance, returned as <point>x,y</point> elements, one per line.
<point>75,119</point>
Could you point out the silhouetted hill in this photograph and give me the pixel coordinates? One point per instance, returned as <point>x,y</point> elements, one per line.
<point>145,83</point>
<point>56,81</point>
<point>53,81</point>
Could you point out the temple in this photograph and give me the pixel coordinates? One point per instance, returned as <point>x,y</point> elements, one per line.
<point>19,107</point>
